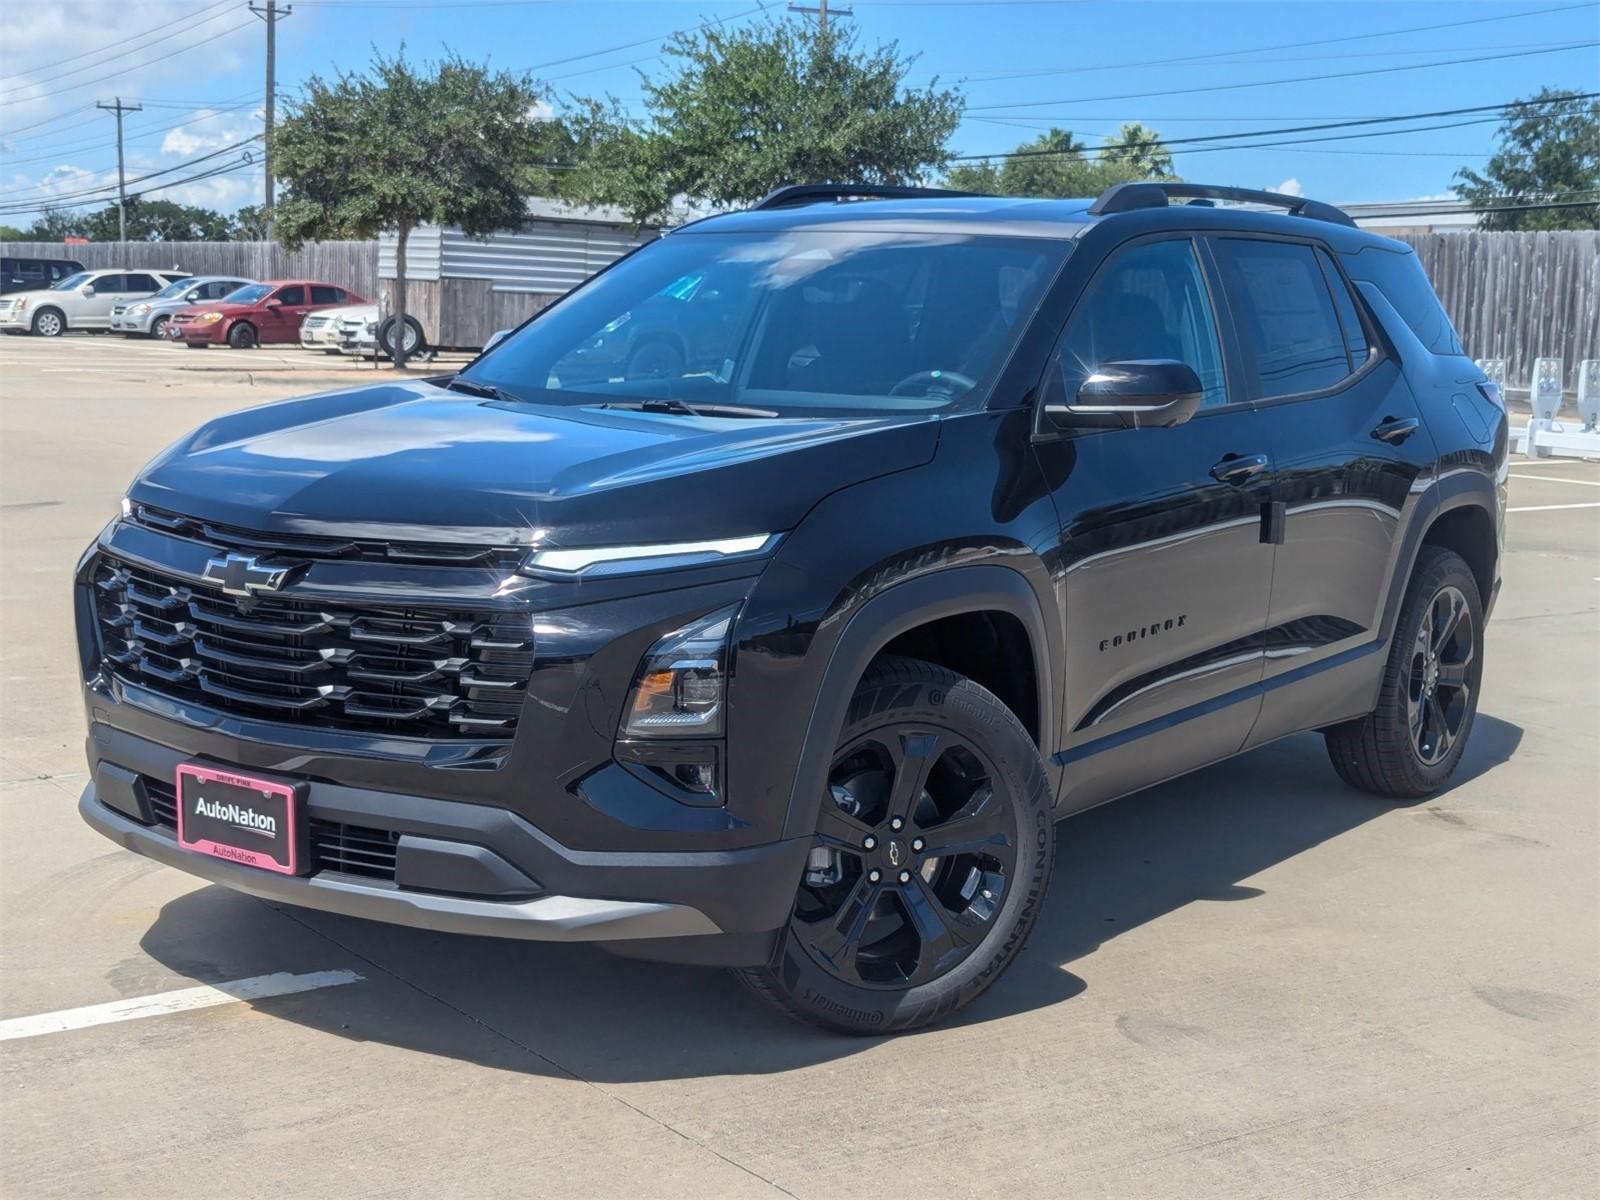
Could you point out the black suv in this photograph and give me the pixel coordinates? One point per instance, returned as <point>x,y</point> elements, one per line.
<point>983,511</point>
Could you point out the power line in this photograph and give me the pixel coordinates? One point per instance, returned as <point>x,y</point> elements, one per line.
<point>133,136</point>
<point>138,66</point>
<point>122,47</point>
<point>1228,87</point>
<point>121,52</point>
<point>1354,122</point>
<point>103,191</point>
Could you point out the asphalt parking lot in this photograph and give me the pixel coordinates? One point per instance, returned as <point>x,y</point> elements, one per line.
<point>1249,982</point>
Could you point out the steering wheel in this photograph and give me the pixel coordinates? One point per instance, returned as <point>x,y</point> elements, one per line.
<point>934,381</point>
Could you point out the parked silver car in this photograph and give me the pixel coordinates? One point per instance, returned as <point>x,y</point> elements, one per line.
<point>148,317</point>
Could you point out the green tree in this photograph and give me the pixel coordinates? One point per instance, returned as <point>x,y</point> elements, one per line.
<point>10,233</point>
<point>1549,149</point>
<point>1055,164</point>
<point>249,224</point>
<point>399,146</point>
<point>746,110</point>
<point>158,221</point>
<point>56,224</point>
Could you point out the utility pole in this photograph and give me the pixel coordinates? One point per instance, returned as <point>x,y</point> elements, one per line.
<point>271,14</point>
<point>821,12</point>
<point>122,186</point>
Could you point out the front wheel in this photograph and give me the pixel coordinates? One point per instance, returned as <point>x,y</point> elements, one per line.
<point>1410,745</point>
<point>933,850</point>
<point>49,322</point>
<point>158,329</point>
<point>242,336</point>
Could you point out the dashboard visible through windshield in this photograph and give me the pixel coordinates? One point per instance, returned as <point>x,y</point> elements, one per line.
<point>795,322</point>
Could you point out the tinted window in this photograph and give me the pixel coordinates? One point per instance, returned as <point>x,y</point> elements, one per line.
<point>141,283</point>
<point>1292,332</point>
<point>31,269</point>
<point>1150,302</point>
<point>59,270</point>
<point>814,320</point>
<point>1355,336</point>
<point>321,294</point>
<point>109,283</point>
<point>1404,284</point>
<point>291,295</point>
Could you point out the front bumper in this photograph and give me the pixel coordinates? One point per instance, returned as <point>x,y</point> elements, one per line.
<point>462,867</point>
<point>15,318</point>
<point>128,323</point>
<point>200,335</point>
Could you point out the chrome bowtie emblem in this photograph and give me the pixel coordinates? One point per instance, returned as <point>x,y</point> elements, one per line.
<point>894,854</point>
<point>241,575</point>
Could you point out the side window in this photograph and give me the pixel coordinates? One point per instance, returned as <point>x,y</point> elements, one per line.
<point>1294,341</point>
<point>31,269</point>
<point>109,283</point>
<point>295,294</point>
<point>1405,285</point>
<point>141,283</point>
<point>1355,335</point>
<point>1150,302</point>
<point>59,271</point>
<point>321,294</point>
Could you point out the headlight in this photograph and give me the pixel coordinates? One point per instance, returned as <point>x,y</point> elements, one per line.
<point>658,556</point>
<point>679,688</point>
<point>208,318</point>
<point>139,310</point>
<point>127,507</point>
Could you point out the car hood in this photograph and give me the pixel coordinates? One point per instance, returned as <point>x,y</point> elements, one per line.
<point>34,294</point>
<point>418,463</point>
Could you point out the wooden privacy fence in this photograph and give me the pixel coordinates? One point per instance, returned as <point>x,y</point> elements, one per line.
<point>1519,296</point>
<point>352,264</point>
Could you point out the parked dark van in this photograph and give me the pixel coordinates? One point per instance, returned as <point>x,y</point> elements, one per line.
<point>28,274</point>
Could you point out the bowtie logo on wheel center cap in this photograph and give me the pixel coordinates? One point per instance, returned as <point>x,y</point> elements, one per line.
<point>895,852</point>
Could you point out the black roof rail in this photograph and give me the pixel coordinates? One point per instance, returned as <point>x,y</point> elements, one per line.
<point>1126,197</point>
<point>796,194</point>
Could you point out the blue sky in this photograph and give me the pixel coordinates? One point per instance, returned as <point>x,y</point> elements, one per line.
<point>1085,65</point>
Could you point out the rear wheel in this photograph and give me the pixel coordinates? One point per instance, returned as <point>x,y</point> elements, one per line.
<point>242,336</point>
<point>48,322</point>
<point>415,342</point>
<point>1410,745</point>
<point>933,849</point>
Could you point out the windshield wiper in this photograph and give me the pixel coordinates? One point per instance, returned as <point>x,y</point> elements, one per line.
<point>472,388</point>
<point>690,410</point>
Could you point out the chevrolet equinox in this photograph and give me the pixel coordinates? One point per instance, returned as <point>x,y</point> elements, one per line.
<point>909,522</point>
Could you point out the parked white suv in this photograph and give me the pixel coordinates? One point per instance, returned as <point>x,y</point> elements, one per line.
<point>81,301</point>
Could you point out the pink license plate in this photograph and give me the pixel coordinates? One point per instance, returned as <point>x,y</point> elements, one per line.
<point>256,822</point>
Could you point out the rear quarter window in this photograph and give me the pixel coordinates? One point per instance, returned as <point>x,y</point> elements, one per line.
<point>1405,285</point>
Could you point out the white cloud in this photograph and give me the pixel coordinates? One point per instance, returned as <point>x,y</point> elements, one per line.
<point>1289,187</point>
<point>208,129</point>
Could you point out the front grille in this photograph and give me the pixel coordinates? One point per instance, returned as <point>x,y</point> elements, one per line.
<point>335,846</point>
<point>314,322</point>
<point>318,546</point>
<point>405,670</point>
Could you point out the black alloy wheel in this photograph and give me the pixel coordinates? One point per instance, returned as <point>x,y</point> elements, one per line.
<point>1412,742</point>
<point>933,848</point>
<point>1438,694</point>
<point>242,336</point>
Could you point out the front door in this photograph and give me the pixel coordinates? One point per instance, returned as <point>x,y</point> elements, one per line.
<point>1348,442</point>
<point>283,313</point>
<point>1161,569</point>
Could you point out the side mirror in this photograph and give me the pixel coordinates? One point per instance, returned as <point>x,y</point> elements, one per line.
<point>274,303</point>
<point>193,296</point>
<point>498,336</point>
<point>1135,394</point>
<point>87,289</point>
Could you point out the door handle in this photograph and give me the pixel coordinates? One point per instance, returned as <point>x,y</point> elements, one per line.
<point>1395,430</point>
<point>1239,468</point>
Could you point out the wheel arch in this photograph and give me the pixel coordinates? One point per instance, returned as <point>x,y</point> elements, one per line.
<point>66,323</point>
<point>931,611</point>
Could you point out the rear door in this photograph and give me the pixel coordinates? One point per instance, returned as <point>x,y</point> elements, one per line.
<point>1162,575</point>
<point>1349,447</point>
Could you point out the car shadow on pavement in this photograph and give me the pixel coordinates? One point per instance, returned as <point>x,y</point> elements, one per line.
<point>573,1010</point>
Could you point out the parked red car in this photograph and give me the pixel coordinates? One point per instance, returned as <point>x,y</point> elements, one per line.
<point>257,313</point>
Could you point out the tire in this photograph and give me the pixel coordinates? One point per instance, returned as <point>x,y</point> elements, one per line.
<point>934,931</point>
<point>416,343</point>
<point>1410,745</point>
<point>158,329</point>
<point>242,336</point>
<point>654,359</point>
<point>197,345</point>
<point>49,322</point>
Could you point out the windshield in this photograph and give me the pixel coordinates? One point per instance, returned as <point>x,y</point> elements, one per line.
<point>72,281</point>
<point>176,288</point>
<point>802,321</point>
<point>249,294</point>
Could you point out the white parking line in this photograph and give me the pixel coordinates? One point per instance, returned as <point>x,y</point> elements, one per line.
<point>1552,507</point>
<point>258,987</point>
<point>1558,479</point>
<point>1539,463</point>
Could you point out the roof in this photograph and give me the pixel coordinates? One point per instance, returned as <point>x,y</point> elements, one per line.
<point>1015,216</point>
